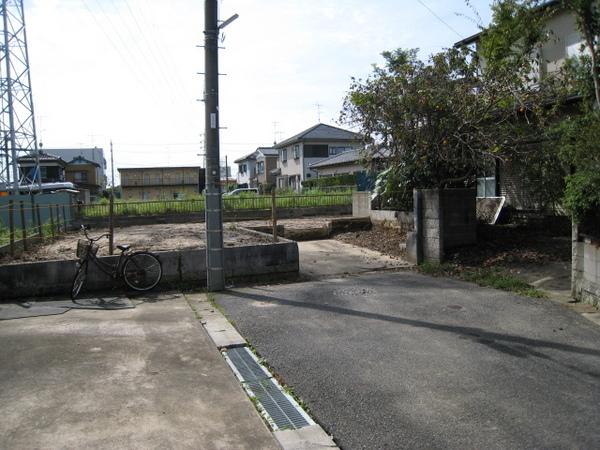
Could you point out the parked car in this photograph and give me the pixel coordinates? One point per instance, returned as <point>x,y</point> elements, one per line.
<point>240,191</point>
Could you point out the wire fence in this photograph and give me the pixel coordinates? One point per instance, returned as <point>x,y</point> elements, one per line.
<point>24,222</point>
<point>230,203</point>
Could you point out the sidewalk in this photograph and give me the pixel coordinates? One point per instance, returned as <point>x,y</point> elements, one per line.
<point>141,378</point>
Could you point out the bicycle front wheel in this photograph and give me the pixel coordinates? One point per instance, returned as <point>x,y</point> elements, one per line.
<point>78,280</point>
<point>142,271</point>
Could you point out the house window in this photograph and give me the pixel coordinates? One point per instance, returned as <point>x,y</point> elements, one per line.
<point>284,155</point>
<point>260,166</point>
<point>486,187</point>
<point>337,150</point>
<point>316,151</point>
<point>80,177</point>
<point>296,151</point>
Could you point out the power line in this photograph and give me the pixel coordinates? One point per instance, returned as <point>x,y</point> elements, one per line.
<point>440,19</point>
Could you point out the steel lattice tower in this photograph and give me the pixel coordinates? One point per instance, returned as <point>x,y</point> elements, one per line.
<point>17,122</point>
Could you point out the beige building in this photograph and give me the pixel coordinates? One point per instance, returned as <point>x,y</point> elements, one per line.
<point>160,183</point>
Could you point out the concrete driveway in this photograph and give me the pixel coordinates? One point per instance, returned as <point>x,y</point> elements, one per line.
<point>139,378</point>
<point>321,259</point>
<point>400,360</point>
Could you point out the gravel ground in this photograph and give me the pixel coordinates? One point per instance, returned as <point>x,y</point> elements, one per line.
<point>163,237</point>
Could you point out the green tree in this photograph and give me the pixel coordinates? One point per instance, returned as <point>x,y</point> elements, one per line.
<point>442,120</point>
<point>576,132</point>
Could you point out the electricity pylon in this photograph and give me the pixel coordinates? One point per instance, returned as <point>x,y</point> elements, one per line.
<point>17,121</point>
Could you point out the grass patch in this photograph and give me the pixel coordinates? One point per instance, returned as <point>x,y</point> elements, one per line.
<point>483,276</point>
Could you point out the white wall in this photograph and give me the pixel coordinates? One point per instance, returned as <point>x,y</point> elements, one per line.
<point>244,178</point>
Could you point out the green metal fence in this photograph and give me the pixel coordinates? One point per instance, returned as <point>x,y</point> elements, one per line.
<point>231,203</point>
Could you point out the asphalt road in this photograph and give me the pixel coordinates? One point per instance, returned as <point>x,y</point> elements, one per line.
<point>400,360</point>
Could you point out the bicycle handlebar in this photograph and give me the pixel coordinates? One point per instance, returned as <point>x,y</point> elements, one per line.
<point>84,229</point>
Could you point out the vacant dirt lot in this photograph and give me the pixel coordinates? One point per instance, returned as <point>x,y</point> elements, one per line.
<point>155,238</point>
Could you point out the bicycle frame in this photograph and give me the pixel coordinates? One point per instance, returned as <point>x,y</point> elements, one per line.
<point>112,270</point>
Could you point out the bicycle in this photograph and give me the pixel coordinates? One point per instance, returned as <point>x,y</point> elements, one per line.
<point>140,270</point>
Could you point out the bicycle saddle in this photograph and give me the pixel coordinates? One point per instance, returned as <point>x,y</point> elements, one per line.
<point>123,248</point>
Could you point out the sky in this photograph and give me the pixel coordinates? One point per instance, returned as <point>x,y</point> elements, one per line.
<point>127,70</point>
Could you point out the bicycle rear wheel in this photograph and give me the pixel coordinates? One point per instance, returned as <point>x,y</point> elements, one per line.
<point>78,280</point>
<point>142,271</point>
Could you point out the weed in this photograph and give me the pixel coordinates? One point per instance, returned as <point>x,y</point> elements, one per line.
<point>483,276</point>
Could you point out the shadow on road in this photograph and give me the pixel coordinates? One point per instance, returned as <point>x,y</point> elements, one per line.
<point>522,346</point>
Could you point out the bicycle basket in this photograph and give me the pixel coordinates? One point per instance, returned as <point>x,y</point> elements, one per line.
<point>83,246</point>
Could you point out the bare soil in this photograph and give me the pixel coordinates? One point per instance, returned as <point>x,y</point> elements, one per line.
<point>386,240</point>
<point>163,237</point>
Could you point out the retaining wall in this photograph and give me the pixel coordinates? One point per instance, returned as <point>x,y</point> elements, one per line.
<point>188,266</point>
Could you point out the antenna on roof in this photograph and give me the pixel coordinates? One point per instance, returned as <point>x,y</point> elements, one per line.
<point>318,105</point>
<point>275,132</point>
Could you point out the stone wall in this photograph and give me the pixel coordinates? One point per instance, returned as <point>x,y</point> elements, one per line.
<point>585,279</point>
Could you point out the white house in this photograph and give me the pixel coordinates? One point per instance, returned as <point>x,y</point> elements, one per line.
<point>299,152</point>
<point>246,170</point>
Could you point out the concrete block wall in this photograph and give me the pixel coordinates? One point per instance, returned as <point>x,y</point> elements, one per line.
<point>586,269</point>
<point>361,207</point>
<point>444,219</point>
<point>188,266</point>
<point>361,204</point>
<point>460,217</point>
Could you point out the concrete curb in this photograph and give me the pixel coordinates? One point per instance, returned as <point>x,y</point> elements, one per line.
<point>220,330</point>
<point>225,336</point>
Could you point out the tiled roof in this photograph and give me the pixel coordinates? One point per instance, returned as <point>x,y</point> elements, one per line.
<point>245,158</point>
<point>82,160</point>
<point>321,132</point>
<point>336,160</point>
<point>268,151</point>
<point>44,157</point>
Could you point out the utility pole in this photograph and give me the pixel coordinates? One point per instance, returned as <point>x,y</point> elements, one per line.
<point>215,273</point>
<point>111,206</point>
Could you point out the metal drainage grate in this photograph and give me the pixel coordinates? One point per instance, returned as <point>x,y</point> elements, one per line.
<point>281,410</point>
<point>246,366</point>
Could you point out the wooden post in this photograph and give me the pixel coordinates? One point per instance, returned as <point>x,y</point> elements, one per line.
<point>23,224</point>
<point>52,229</point>
<point>39,220</point>
<point>11,226</point>
<point>274,214</point>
